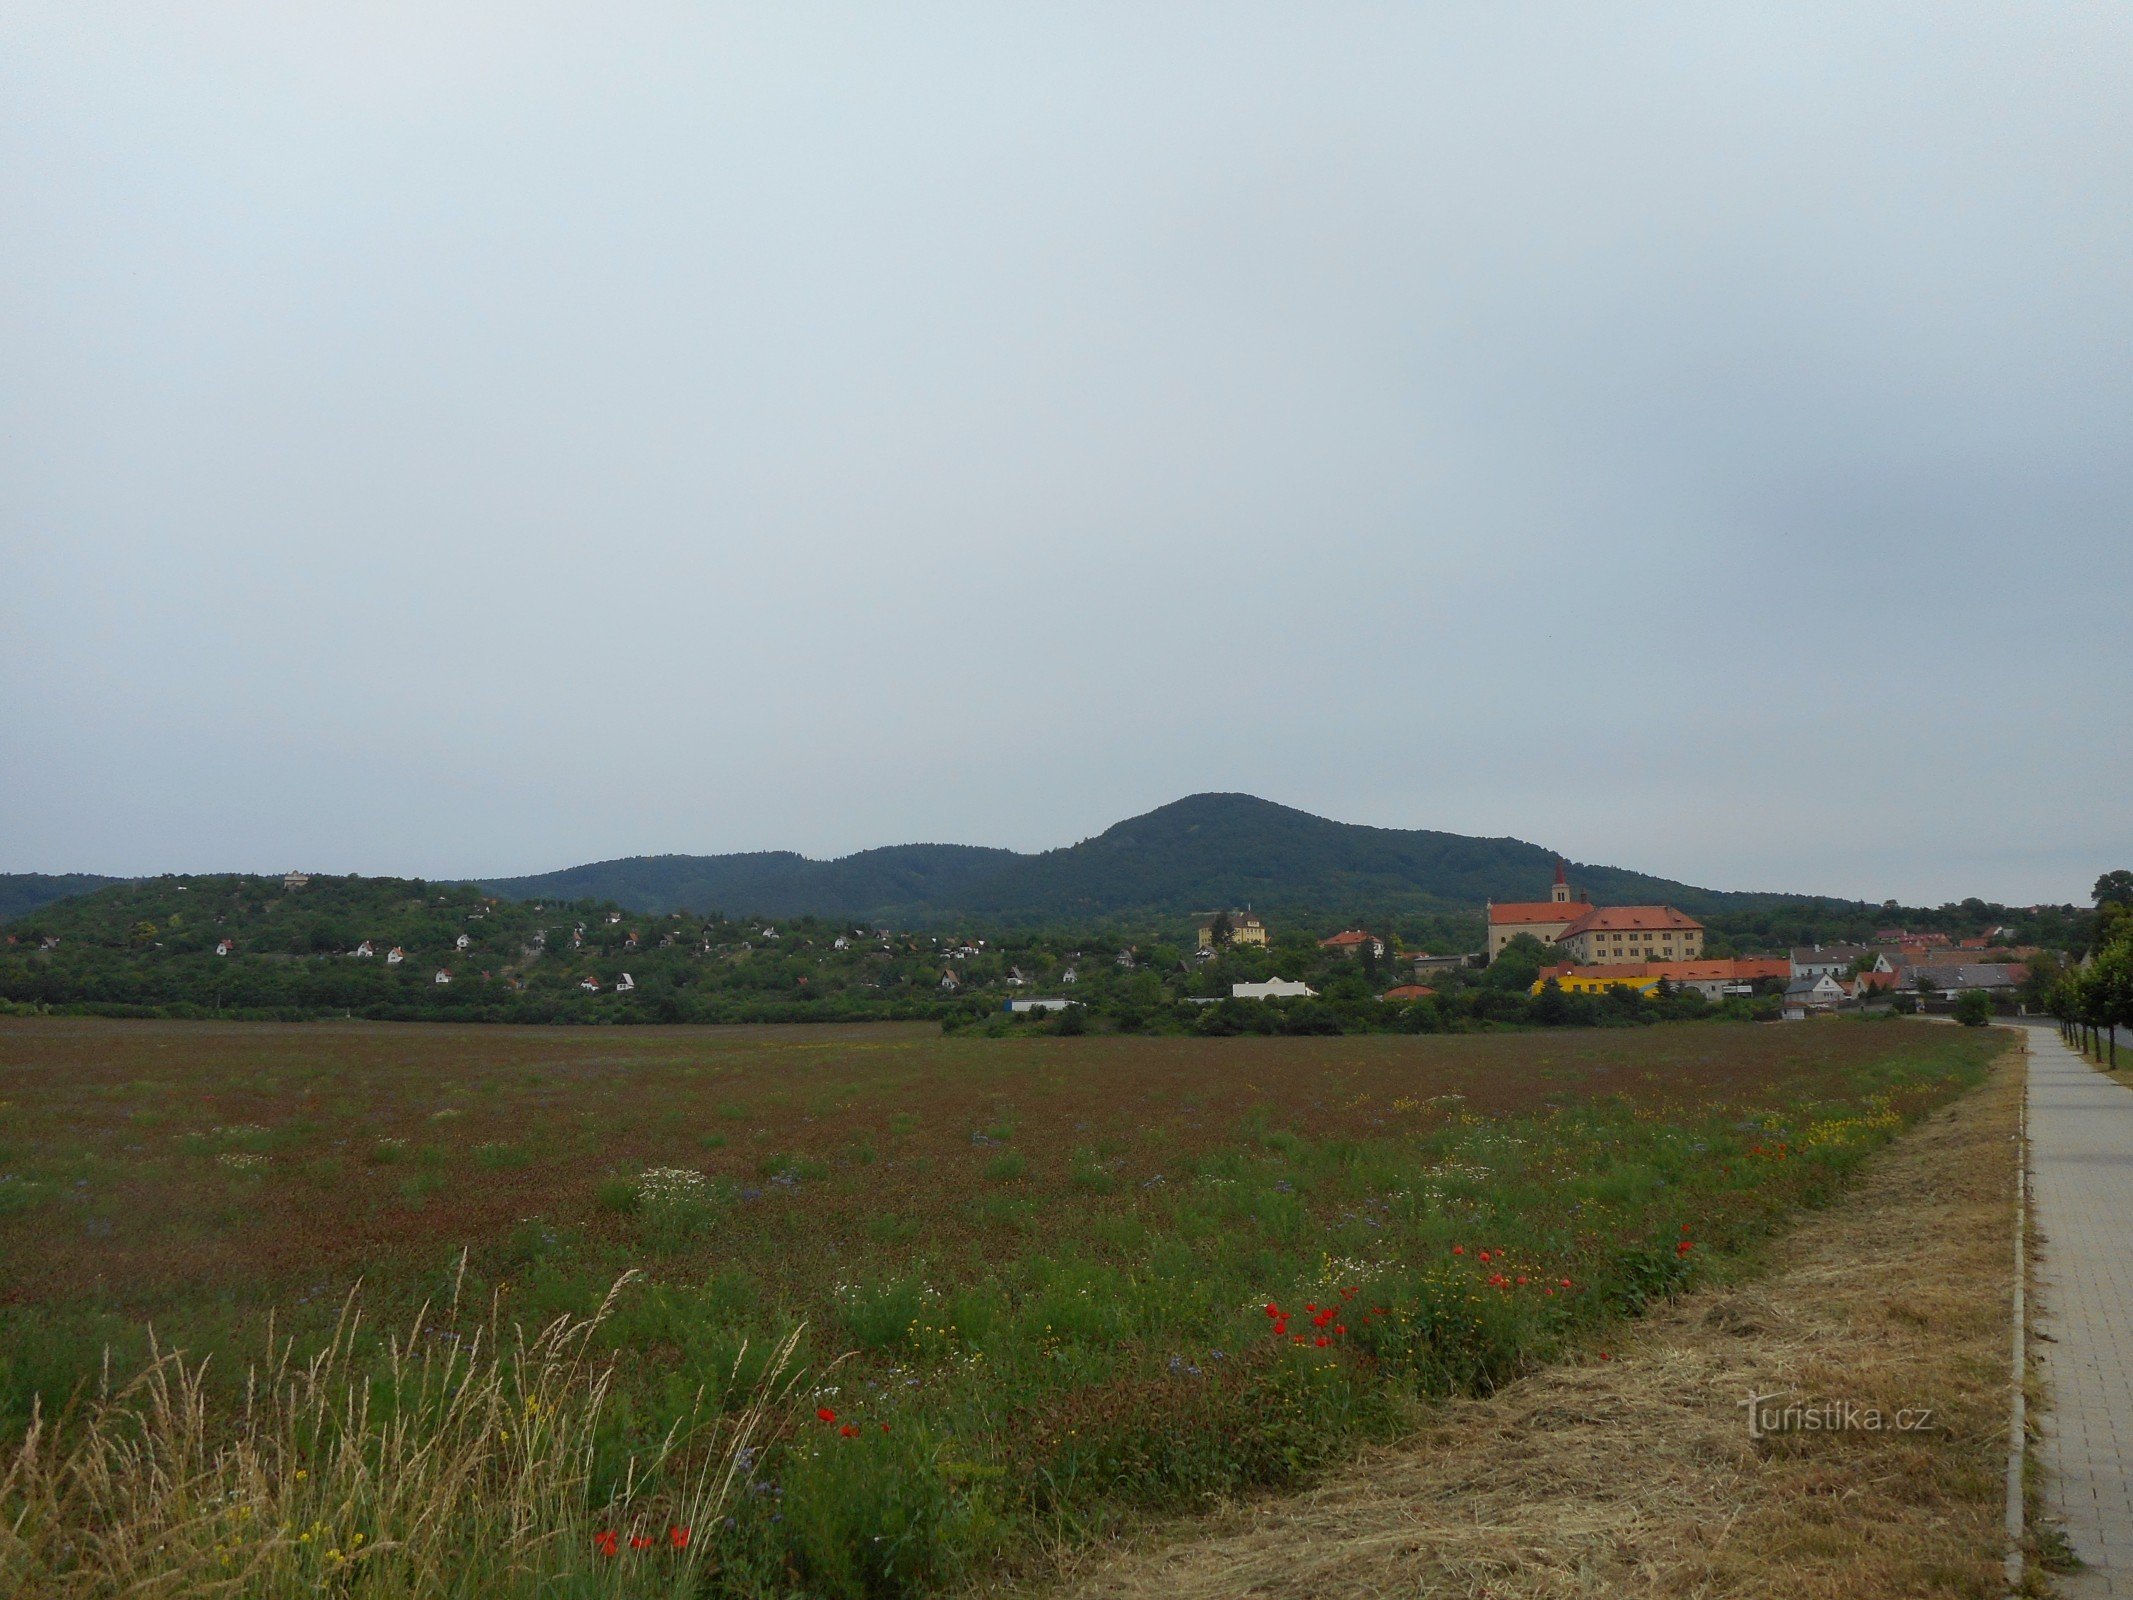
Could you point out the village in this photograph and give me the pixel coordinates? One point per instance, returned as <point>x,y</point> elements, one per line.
<point>1651,950</point>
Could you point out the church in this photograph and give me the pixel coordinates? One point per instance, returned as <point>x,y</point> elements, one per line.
<point>1596,933</point>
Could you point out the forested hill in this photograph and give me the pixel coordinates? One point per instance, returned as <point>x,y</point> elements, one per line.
<point>1192,855</point>
<point>902,885</point>
<point>24,892</point>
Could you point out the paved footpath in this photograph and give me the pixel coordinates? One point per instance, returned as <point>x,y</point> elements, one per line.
<point>2081,1175</point>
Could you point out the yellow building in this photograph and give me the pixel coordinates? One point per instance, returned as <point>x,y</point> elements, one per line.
<point>1598,981</point>
<point>1244,928</point>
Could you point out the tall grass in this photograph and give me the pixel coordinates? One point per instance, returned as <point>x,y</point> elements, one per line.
<point>461,1461</point>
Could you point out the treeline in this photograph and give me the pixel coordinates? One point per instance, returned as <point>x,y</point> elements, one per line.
<point>2094,1000</point>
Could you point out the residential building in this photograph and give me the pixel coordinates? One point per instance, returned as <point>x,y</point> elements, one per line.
<point>1815,994</point>
<point>1826,960</point>
<point>1545,919</point>
<point>1353,942</point>
<point>1033,1004</point>
<point>295,880</point>
<point>1632,933</point>
<point>222,946</point>
<point>1244,928</point>
<point>1407,991</point>
<point>625,983</point>
<point>1422,961</point>
<point>395,956</point>
<point>462,942</point>
<point>366,950</point>
<point>950,983</point>
<point>443,976</point>
<point>1714,980</point>
<point>589,985</point>
<point>1272,989</point>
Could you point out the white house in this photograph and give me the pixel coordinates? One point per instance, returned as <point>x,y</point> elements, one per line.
<point>1272,989</point>
<point>1815,994</point>
<point>625,983</point>
<point>462,943</point>
<point>224,947</point>
<point>950,982</point>
<point>1070,976</point>
<point>443,976</point>
<point>395,956</point>
<point>614,917</point>
<point>1826,960</point>
<point>365,950</point>
<point>589,985</point>
<point>295,880</point>
<point>1125,958</point>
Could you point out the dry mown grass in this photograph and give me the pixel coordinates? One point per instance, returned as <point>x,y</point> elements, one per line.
<point>1637,1475</point>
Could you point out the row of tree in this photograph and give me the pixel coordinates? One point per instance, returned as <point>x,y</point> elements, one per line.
<point>2095,999</point>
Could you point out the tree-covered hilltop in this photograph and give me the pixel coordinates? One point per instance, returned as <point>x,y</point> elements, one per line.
<point>1195,854</point>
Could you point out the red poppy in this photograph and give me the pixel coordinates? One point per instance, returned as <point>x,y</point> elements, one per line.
<point>1272,1309</point>
<point>884,1427</point>
<point>1340,1327</point>
<point>1323,1341</point>
<point>642,1541</point>
<point>1484,1255</point>
<point>678,1537</point>
<point>826,1414</point>
<point>1604,1356</point>
<point>605,1541</point>
<point>1458,1249</point>
<point>850,1430</point>
<point>1521,1280</point>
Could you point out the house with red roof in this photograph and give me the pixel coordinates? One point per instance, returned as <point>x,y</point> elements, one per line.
<point>1632,933</point>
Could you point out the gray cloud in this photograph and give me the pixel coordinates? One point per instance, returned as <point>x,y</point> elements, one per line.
<point>469,439</point>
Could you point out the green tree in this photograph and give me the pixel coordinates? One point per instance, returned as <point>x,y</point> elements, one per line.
<point>2114,888</point>
<point>1974,1008</point>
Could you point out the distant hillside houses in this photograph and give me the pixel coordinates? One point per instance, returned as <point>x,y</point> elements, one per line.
<point>1353,942</point>
<point>1595,934</point>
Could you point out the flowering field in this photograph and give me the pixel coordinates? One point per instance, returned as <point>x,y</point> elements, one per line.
<point>1023,1288</point>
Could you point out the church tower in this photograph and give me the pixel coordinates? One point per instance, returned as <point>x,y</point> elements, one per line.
<point>1560,894</point>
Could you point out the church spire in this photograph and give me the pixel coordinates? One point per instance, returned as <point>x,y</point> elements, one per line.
<point>1560,894</point>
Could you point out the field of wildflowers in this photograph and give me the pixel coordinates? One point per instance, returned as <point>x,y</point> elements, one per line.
<point>861,1311</point>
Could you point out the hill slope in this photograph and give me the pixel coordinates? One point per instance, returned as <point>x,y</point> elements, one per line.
<point>23,892</point>
<point>1191,855</point>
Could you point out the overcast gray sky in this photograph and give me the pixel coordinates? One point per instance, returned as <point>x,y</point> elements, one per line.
<point>445,438</point>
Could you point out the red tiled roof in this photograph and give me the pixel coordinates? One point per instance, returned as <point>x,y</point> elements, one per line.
<point>1341,941</point>
<point>1628,919</point>
<point>1407,991</point>
<point>1748,968</point>
<point>1517,911</point>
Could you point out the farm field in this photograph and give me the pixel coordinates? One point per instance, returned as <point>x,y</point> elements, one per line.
<point>1036,1285</point>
